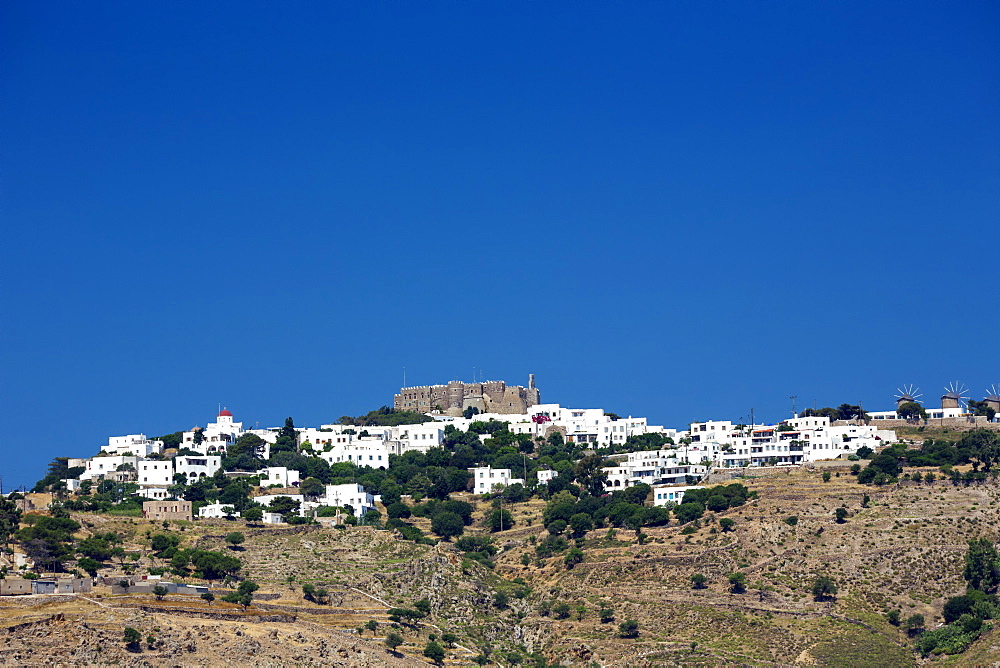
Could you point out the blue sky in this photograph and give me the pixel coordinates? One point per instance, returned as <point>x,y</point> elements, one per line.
<point>678,210</point>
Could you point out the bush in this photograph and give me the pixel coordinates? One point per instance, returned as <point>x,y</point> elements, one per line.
<point>581,523</point>
<point>90,565</point>
<point>132,637</point>
<point>476,544</point>
<point>914,624</point>
<point>393,640</point>
<point>950,639</point>
<point>309,591</point>
<point>698,581</point>
<point>688,512</point>
<point>404,615</point>
<point>397,510</point>
<point>824,588</point>
<point>407,531</point>
<point>629,629</point>
<point>551,545</point>
<point>737,582</point>
<point>447,524</point>
<point>573,557</point>
<point>717,503</point>
<point>499,520</point>
<point>957,606</point>
<point>727,524</point>
<point>434,652</point>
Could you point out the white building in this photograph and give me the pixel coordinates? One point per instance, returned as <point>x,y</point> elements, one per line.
<point>799,440</point>
<point>136,445</point>
<point>932,413</point>
<point>279,475</point>
<point>361,451</point>
<point>545,476</point>
<point>421,437</point>
<point>194,467</point>
<point>666,495</point>
<point>369,446</point>
<point>582,425</point>
<point>214,510</point>
<point>98,467</point>
<point>154,493</point>
<point>352,495</point>
<point>216,436</point>
<point>487,479</point>
<point>653,467</point>
<point>269,436</point>
<point>154,472</point>
<point>266,499</point>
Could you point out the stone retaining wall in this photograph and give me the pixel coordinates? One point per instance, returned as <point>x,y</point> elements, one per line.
<point>205,614</point>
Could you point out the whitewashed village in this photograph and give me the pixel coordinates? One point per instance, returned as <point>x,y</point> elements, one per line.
<point>674,463</point>
<point>454,465</point>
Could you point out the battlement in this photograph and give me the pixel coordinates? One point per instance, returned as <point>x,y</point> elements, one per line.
<point>490,396</point>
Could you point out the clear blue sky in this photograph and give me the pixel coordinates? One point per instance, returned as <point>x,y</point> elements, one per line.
<point>679,209</point>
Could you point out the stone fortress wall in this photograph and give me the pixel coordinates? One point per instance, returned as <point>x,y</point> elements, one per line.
<point>491,396</point>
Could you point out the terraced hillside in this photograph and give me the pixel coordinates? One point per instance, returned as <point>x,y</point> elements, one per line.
<point>901,549</point>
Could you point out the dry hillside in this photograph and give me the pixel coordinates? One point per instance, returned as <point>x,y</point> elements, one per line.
<point>903,551</point>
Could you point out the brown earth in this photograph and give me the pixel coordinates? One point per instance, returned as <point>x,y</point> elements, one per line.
<point>903,551</point>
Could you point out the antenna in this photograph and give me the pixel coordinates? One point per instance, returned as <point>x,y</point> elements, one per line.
<point>793,398</point>
<point>404,376</point>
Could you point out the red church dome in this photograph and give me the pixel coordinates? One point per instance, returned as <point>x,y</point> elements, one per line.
<point>225,412</point>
